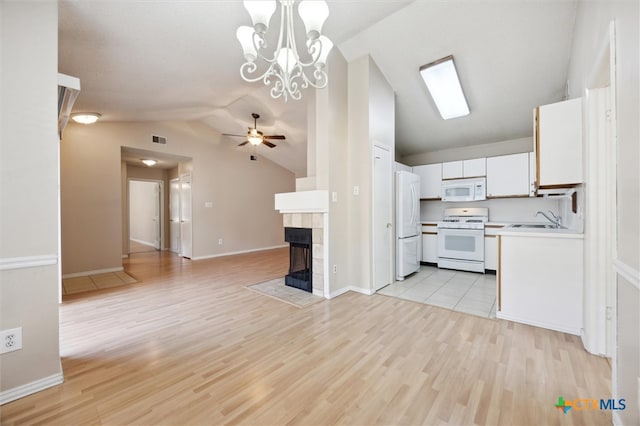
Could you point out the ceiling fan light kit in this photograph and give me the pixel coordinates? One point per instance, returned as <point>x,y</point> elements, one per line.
<point>285,69</point>
<point>255,137</point>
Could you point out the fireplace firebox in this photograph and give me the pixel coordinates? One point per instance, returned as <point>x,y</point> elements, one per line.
<point>300,261</point>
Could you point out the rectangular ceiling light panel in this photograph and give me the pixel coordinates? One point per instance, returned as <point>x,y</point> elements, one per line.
<point>442,81</point>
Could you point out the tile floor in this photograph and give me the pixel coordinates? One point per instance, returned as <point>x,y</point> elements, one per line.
<point>467,292</point>
<point>277,289</point>
<point>96,282</point>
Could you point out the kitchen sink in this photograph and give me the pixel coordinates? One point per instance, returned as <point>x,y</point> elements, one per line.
<point>536,226</point>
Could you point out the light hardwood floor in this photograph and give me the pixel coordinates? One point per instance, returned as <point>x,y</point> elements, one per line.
<point>190,345</point>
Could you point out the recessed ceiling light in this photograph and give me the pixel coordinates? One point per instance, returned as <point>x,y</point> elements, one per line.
<point>444,85</point>
<point>150,162</point>
<point>85,117</point>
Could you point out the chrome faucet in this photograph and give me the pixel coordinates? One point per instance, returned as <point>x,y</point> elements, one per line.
<point>556,220</point>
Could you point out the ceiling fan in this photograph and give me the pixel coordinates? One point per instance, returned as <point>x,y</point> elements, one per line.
<point>255,137</point>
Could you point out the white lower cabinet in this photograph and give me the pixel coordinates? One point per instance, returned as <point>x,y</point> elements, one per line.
<point>540,281</point>
<point>429,244</point>
<point>490,252</point>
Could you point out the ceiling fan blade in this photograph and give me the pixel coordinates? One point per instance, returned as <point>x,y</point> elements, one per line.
<point>230,134</point>
<point>279,137</point>
<point>243,143</point>
<point>269,144</point>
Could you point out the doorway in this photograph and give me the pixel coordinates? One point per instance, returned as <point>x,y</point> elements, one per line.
<point>145,215</point>
<point>382,217</point>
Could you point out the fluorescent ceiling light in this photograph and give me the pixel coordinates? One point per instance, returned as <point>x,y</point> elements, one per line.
<point>149,162</point>
<point>85,117</point>
<point>442,81</point>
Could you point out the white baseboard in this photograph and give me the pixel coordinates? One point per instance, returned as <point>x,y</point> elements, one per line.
<point>627,272</point>
<point>366,291</point>
<point>338,292</point>
<point>541,324</point>
<point>97,271</point>
<point>33,387</point>
<point>7,263</point>
<point>125,256</point>
<point>146,243</point>
<point>231,253</point>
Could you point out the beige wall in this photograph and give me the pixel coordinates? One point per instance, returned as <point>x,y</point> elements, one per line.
<point>590,36</point>
<point>241,191</point>
<point>28,192</point>
<point>514,146</point>
<point>371,106</point>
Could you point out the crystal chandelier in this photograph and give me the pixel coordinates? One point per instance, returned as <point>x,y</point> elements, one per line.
<point>285,69</point>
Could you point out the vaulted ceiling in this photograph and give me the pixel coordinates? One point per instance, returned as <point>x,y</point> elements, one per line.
<point>180,60</point>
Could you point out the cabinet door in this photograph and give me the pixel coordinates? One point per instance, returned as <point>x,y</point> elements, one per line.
<point>429,246</point>
<point>559,143</point>
<point>430,180</point>
<point>508,175</point>
<point>452,170</point>
<point>474,168</point>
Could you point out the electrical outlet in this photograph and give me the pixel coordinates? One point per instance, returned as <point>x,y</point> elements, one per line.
<point>10,340</point>
<point>220,241</point>
<point>208,204</point>
<point>356,190</point>
<point>335,269</point>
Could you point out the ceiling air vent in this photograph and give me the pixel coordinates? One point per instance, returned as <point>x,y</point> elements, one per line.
<point>159,139</point>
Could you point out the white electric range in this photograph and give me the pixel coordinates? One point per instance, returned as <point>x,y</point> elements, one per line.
<point>461,238</point>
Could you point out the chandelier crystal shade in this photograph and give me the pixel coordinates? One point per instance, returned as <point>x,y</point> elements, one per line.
<point>285,70</point>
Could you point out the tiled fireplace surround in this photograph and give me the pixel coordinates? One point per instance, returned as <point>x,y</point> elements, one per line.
<point>315,221</point>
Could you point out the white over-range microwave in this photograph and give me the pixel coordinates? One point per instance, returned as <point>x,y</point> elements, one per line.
<point>474,189</point>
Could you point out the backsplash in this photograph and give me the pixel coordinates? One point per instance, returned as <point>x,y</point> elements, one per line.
<point>503,209</point>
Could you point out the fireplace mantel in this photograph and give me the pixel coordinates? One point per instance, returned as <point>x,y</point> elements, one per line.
<point>303,202</point>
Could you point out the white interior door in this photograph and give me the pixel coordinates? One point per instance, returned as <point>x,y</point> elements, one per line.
<point>145,217</point>
<point>174,215</point>
<point>382,217</point>
<point>156,215</point>
<point>185,217</point>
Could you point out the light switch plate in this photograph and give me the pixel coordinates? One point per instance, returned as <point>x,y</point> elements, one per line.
<point>356,190</point>
<point>208,204</point>
<point>334,197</point>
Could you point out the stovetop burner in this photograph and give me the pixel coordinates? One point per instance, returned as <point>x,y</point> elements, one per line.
<point>464,218</point>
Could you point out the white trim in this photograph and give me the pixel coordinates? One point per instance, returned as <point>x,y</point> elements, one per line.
<point>27,261</point>
<point>33,387</point>
<point>627,272</point>
<point>367,291</point>
<point>94,272</point>
<point>231,253</point>
<point>325,255</point>
<point>125,256</point>
<point>146,243</point>
<point>338,292</point>
<point>541,324</point>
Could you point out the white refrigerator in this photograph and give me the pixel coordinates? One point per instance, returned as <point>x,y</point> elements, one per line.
<point>408,241</point>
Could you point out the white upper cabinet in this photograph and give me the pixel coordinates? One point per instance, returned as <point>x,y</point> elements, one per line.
<point>464,168</point>
<point>558,143</point>
<point>474,168</point>
<point>430,180</point>
<point>452,170</point>
<point>508,176</point>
